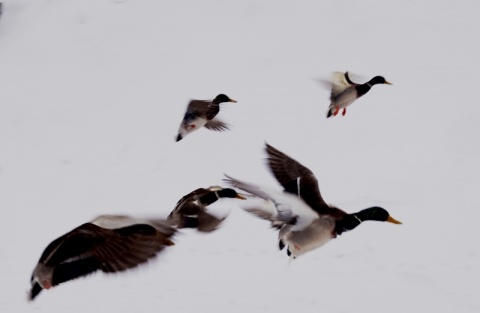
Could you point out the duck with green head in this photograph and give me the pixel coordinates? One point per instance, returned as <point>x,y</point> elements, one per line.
<point>202,113</point>
<point>191,209</point>
<point>305,221</point>
<point>344,91</point>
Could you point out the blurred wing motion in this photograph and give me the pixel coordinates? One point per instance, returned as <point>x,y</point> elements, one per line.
<point>91,247</point>
<point>283,211</point>
<point>217,125</point>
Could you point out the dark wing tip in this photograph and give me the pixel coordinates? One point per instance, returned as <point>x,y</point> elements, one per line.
<point>36,289</point>
<point>271,150</point>
<point>168,242</point>
<point>329,113</point>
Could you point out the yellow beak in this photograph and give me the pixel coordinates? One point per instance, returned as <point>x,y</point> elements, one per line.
<point>234,101</point>
<point>388,83</point>
<point>392,220</point>
<point>239,196</point>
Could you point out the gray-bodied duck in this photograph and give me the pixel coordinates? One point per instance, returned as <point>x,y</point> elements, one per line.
<point>344,92</point>
<point>191,210</point>
<point>109,243</point>
<point>305,221</point>
<point>203,113</point>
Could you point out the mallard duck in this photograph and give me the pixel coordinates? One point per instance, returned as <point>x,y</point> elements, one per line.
<point>305,221</point>
<point>345,92</point>
<point>190,211</point>
<point>202,113</point>
<point>110,243</point>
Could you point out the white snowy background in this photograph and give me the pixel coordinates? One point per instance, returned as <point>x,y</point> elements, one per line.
<point>91,96</point>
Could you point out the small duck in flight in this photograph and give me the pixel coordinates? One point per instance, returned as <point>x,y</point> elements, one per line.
<point>190,211</point>
<point>203,113</point>
<point>344,92</point>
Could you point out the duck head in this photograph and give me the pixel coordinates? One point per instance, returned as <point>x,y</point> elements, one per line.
<point>230,193</point>
<point>351,221</point>
<point>378,80</point>
<point>376,214</point>
<point>223,98</point>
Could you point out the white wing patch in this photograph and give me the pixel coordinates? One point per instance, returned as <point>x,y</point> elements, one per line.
<point>192,126</point>
<point>117,221</point>
<point>339,83</point>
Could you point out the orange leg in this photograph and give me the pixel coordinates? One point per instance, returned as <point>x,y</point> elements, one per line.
<point>344,111</point>
<point>336,111</point>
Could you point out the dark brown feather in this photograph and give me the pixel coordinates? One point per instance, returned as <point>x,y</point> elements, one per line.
<point>208,222</point>
<point>190,212</point>
<point>202,108</point>
<point>216,125</point>
<point>296,179</point>
<point>89,248</point>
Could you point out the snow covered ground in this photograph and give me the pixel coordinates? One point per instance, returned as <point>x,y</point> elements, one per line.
<point>91,96</point>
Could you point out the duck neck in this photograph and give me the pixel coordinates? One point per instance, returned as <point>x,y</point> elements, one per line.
<point>363,89</point>
<point>210,197</point>
<point>372,214</point>
<point>348,222</point>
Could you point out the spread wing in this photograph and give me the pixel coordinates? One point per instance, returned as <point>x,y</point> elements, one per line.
<point>195,109</point>
<point>216,125</point>
<point>208,222</point>
<point>295,178</point>
<point>89,248</point>
<point>339,82</point>
<point>282,212</point>
<point>193,216</point>
<point>198,106</point>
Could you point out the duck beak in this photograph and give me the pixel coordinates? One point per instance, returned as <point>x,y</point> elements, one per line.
<point>234,101</point>
<point>239,196</point>
<point>392,220</point>
<point>388,83</point>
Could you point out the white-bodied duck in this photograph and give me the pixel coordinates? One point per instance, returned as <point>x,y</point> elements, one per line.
<point>344,92</point>
<point>305,221</point>
<point>203,113</point>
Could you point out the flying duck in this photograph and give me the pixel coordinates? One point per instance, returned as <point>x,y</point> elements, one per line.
<point>110,243</point>
<point>190,211</point>
<point>202,113</point>
<point>344,92</point>
<point>305,221</point>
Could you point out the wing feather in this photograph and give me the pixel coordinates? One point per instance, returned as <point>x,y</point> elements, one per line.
<point>295,178</point>
<point>89,248</point>
<point>217,125</point>
<point>283,211</point>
